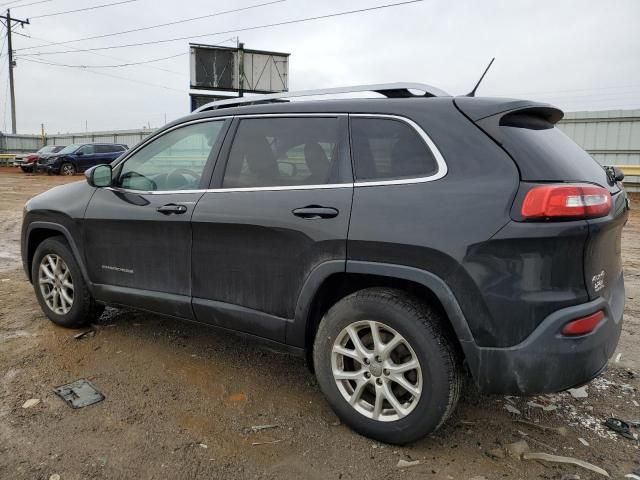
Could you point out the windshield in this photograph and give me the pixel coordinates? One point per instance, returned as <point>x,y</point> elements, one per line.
<point>47,149</point>
<point>69,148</point>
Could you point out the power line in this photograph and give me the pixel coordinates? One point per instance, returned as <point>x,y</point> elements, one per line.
<point>182,74</point>
<point>185,20</point>
<point>13,1</point>
<point>112,76</point>
<point>108,66</point>
<point>236,30</point>
<point>32,3</point>
<point>95,7</point>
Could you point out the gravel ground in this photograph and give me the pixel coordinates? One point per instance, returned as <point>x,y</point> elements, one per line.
<point>181,400</point>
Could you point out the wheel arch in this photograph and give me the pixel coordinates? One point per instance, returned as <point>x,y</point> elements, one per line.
<point>330,282</point>
<point>38,232</point>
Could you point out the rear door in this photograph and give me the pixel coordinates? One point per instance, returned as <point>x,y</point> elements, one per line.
<point>278,208</point>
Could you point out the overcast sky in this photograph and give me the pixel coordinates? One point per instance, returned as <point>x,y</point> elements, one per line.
<point>579,55</point>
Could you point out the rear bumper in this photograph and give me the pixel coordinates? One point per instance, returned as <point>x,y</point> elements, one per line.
<point>547,361</point>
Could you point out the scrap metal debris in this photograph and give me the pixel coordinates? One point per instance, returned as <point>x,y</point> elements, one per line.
<point>31,403</point>
<point>78,394</point>
<point>621,427</point>
<point>546,457</point>
<point>87,334</point>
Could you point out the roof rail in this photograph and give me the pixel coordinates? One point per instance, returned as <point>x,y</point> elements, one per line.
<point>389,90</point>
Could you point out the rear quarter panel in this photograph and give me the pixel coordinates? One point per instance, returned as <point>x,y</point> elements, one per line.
<point>436,225</point>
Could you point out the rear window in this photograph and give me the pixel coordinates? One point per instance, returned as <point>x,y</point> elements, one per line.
<point>385,149</point>
<point>544,153</point>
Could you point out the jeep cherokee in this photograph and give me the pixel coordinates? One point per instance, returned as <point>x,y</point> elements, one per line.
<point>400,243</point>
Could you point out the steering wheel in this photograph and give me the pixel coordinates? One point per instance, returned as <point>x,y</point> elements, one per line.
<point>173,177</point>
<point>132,175</point>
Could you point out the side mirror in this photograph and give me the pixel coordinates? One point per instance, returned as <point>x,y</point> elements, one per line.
<point>80,153</point>
<point>99,176</point>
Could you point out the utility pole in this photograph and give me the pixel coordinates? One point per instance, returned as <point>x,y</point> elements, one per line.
<point>12,64</point>
<point>241,69</point>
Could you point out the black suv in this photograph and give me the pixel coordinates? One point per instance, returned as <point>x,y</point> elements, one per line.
<point>80,157</point>
<point>399,243</point>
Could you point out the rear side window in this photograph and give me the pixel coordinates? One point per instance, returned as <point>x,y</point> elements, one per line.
<point>103,149</point>
<point>386,149</point>
<point>543,152</point>
<point>269,152</point>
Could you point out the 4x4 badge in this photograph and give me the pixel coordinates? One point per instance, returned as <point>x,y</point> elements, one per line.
<point>598,281</point>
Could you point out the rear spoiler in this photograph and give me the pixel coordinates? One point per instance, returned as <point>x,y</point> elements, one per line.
<point>477,109</point>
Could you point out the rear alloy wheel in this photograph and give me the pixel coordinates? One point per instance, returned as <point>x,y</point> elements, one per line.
<point>67,169</point>
<point>387,364</point>
<point>376,371</point>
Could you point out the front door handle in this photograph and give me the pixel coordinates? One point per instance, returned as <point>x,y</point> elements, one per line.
<point>315,211</point>
<point>172,208</point>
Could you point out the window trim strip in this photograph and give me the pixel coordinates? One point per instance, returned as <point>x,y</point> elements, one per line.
<point>440,173</point>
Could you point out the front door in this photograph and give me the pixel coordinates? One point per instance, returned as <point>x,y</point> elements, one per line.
<point>137,233</point>
<point>86,157</point>
<point>278,208</point>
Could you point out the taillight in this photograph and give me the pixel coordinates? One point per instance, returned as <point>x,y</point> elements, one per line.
<point>566,201</point>
<point>584,325</point>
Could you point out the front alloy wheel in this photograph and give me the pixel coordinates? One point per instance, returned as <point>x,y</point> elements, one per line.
<point>376,371</point>
<point>56,284</point>
<point>67,169</point>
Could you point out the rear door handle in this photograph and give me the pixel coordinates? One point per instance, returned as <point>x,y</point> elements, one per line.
<point>315,211</point>
<point>172,208</point>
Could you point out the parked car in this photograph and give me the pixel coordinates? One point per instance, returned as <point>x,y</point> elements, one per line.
<point>399,244</point>
<point>79,157</point>
<point>27,161</point>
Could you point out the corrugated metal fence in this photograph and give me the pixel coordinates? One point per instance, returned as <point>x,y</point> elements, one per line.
<point>31,143</point>
<point>612,137</point>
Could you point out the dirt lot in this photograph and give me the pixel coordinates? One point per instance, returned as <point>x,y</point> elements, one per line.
<point>181,400</point>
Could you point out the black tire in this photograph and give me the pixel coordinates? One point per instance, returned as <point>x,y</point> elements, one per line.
<point>84,309</point>
<point>27,169</point>
<point>67,168</point>
<point>422,327</point>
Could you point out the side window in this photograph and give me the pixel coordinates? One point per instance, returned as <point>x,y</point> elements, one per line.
<point>173,161</point>
<point>87,150</point>
<point>103,149</point>
<point>386,149</point>
<point>268,152</point>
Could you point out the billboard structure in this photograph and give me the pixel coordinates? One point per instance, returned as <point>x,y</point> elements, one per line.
<point>238,70</point>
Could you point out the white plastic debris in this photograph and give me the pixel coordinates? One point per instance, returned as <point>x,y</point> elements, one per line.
<point>578,392</point>
<point>31,402</point>
<point>546,457</point>
<point>583,441</point>
<point>402,463</point>
<point>512,409</point>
